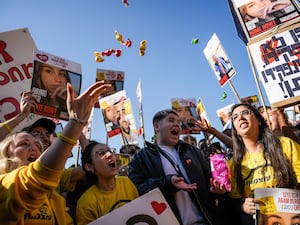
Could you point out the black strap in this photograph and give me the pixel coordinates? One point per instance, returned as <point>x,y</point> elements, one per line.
<point>176,166</point>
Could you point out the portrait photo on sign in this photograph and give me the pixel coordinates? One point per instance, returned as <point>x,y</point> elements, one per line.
<point>49,83</point>
<point>260,17</point>
<point>187,111</point>
<point>218,60</point>
<point>113,77</point>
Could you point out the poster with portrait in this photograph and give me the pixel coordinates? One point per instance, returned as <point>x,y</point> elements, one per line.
<point>276,59</point>
<point>112,112</point>
<point>252,100</point>
<point>127,123</point>
<point>15,72</point>
<point>277,206</point>
<point>150,208</point>
<point>113,77</point>
<point>219,60</point>
<point>202,111</point>
<point>186,108</point>
<point>259,18</point>
<point>224,115</point>
<point>49,83</point>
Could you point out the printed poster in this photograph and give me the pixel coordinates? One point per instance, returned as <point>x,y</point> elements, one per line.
<point>202,112</point>
<point>113,77</point>
<point>252,100</point>
<point>276,59</point>
<point>112,111</point>
<point>49,83</point>
<point>219,60</point>
<point>277,206</point>
<point>151,208</point>
<point>187,110</point>
<point>224,114</point>
<point>16,72</point>
<point>262,17</point>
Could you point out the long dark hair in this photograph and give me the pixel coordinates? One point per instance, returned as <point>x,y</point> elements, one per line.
<point>86,157</point>
<point>272,150</point>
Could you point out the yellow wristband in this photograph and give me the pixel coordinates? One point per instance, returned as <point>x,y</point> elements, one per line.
<point>66,139</point>
<point>8,128</point>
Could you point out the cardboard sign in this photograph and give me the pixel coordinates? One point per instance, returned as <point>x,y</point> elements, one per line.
<point>259,19</point>
<point>279,205</point>
<point>224,115</point>
<point>186,109</point>
<point>49,83</point>
<point>113,77</point>
<point>252,100</point>
<point>276,59</point>
<point>218,60</point>
<point>150,209</point>
<point>15,70</point>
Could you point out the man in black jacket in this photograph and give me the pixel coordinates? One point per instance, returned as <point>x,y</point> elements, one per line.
<point>179,169</point>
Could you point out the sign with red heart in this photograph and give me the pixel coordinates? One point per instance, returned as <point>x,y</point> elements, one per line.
<point>151,209</point>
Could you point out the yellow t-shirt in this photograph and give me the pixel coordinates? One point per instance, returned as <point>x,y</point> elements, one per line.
<point>254,173</point>
<point>95,203</point>
<point>27,197</point>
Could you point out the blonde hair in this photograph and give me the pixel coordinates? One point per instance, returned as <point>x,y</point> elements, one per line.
<point>8,163</point>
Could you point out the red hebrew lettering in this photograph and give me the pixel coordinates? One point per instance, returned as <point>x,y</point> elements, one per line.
<point>15,103</point>
<point>6,56</point>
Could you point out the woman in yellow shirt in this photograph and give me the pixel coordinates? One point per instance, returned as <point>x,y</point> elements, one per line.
<point>260,160</point>
<point>28,181</point>
<point>108,191</point>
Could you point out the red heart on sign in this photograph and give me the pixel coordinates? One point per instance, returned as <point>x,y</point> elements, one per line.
<point>44,58</point>
<point>158,207</point>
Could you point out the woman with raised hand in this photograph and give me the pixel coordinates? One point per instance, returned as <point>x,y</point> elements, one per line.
<point>27,185</point>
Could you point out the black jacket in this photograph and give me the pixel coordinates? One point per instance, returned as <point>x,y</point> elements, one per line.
<point>146,172</point>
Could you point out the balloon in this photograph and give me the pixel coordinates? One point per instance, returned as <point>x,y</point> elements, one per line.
<point>195,41</point>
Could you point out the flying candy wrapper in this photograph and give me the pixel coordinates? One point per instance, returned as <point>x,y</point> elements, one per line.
<point>224,96</point>
<point>195,41</point>
<point>98,57</point>
<point>125,2</point>
<point>143,47</point>
<point>119,38</point>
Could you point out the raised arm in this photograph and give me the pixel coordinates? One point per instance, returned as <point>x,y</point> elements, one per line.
<point>79,109</point>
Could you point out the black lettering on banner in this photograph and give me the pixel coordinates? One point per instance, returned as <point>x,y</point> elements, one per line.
<point>141,219</point>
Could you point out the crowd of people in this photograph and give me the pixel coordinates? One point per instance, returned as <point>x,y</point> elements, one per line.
<point>37,188</point>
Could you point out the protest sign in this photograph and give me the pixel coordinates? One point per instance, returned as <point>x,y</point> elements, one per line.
<point>186,109</point>
<point>111,107</point>
<point>279,205</point>
<point>49,83</point>
<point>277,63</point>
<point>252,100</point>
<point>261,19</point>
<point>15,69</point>
<point>113,77</point>
<point>218,60</point>
<point>150,209</point>
<point>224,115</point>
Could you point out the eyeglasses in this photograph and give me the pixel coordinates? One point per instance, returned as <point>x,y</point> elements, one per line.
<point>102,152</point>
<point>245,112</point>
